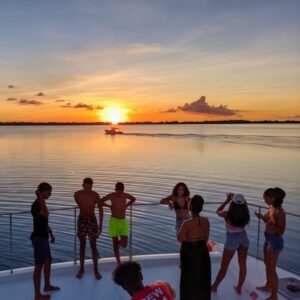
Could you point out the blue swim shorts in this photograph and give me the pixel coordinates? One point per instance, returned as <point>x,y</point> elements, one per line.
<point>274,242</point>
<point>41,250</point>
<point>179,222</point>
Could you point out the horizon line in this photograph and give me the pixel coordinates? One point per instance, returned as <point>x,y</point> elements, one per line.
<point>26,123</point>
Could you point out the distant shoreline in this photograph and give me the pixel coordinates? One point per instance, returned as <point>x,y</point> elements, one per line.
<point>144,123</point>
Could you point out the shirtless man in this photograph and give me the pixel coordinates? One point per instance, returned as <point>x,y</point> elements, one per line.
<point>118,225</point>
<point>87,226</point>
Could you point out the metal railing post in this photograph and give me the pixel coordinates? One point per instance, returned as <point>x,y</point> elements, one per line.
<point>8,220</point>
<point>75,235</point>
<point>10,243</point>
<point>130,234</point>
<point>258,234</point>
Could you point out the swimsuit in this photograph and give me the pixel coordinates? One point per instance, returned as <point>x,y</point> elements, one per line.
<point>235,237</point>
<point>117,227</point>
<point>177,206</point>
<point>87,226</point>
<point>179,221</point>
<point>274,242</point>
<point>41,249</point>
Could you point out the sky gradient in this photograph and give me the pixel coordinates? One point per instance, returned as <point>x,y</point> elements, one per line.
<point>149,60</point>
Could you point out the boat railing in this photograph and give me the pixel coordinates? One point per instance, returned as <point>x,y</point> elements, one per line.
<point>14,225</point>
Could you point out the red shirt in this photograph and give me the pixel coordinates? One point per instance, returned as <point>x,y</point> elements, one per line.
<point>156,291</point>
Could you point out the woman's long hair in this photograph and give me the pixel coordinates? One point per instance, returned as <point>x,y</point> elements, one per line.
<point>186,190</point>
<point>238,215</point>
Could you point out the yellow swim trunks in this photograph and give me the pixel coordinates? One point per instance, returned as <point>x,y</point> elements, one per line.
<point>117,227</point>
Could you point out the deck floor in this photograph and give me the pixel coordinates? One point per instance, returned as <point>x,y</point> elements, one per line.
<point>19,285</point>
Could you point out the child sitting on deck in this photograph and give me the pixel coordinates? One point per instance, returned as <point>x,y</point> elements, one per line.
<point>129,276</point>
<point>118,225</point>
<point>87,226</point>
<point>275,227</point>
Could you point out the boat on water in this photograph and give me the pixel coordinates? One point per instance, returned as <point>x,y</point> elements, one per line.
<point>19,286</point>
<point>17,283</point>
<point>113,131</point>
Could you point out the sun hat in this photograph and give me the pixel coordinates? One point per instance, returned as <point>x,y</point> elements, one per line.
<point>239,199</point>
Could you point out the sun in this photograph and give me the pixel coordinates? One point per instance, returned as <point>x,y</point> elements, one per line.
<point>114,115</point>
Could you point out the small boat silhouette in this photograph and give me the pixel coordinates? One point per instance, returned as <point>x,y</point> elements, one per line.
<point>113,131</point>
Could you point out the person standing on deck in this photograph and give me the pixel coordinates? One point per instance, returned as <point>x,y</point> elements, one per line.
<point>236,218</point>
<point>40,242</point>
<point>275,221</point>
<point>178,201</point>
<point>87,226</point>
<point>118,225</point>
<point>195,277</point>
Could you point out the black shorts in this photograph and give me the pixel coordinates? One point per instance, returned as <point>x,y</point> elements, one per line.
<point>41,249</point>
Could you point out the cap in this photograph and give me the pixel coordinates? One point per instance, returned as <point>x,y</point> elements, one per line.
<point>239,199</point>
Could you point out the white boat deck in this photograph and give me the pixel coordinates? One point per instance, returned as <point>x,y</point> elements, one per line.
<point>19,286</point>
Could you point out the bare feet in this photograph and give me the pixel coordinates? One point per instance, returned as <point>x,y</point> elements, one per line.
<point>80,274</point>
<point>98,275</point>
<point>42,297</point>
<point>238,289</point>
<point>264,288</point>
<point>213,288</point>
<point>51,288</point>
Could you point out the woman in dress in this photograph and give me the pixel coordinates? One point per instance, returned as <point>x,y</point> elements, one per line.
<point>178,201</point>
<point>195,276</point>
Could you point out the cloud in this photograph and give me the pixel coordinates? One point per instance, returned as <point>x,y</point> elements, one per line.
<point>82,105</point>
<point>11,86</point>
<point>40,94</point>
<point>11,99</point>
<point>171,110</point>
<point>30,102</point>
<point>290,117</point>
<point>200,106</point>
<point>67,105</point>
<point>60,100</point>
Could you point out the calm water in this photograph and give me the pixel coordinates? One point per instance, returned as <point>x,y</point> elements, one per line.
<point>150,160</point>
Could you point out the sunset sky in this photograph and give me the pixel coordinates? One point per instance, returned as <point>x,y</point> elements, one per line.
<point>156,60</point>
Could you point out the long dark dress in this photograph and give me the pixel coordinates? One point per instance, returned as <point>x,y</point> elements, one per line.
<point>195,279</point>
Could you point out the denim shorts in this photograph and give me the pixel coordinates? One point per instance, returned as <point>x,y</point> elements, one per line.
<point>236,239</point>
<point>274,242</point>
<point>179,222</point>
<point>41,249</point>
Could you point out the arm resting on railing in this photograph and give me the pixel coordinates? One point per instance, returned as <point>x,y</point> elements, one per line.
<point>169,201</point>
<point>264,217</point>
<point>131,199</point>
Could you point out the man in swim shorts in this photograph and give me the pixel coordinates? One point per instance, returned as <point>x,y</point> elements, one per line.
<point>87,226</point>
<point>129,276</point>
<point>118,225</point>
